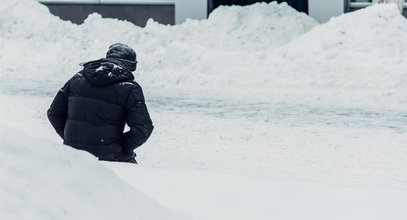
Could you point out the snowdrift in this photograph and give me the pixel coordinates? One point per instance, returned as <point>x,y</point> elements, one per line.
<point>363,49</point>
<point>357,58</point>
<point>42,180</point>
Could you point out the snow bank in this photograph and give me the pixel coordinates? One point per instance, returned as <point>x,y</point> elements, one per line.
<point>42,180</point>
<point>363,49</point>
<point>358,57</point>
<point>239,29</point>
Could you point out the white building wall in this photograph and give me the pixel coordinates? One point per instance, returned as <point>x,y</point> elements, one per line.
<point>196,9</point>
<point>323,10</point>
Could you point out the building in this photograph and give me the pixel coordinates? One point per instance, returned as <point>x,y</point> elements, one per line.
<point>136,11</point>
<point>323,10</point>
<point>177,11</point>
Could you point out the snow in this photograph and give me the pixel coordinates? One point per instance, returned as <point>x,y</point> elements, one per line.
<point>214,196</point>
<point>399,3</point>
<point>259,113</point>
<point>362,55</point>
<point>188,55</point>
<point>44,180</point>
<point>334,63</point>
<point>99,69</point>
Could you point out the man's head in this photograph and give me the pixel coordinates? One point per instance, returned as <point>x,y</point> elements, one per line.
<point>123,53</point>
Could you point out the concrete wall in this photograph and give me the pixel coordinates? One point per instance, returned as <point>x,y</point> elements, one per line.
<point>135,13</point>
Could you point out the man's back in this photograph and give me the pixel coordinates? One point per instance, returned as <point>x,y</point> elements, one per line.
<point>91,110</point>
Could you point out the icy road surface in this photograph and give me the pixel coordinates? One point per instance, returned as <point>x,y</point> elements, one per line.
<point>286,113</point>
<point>274,112</point>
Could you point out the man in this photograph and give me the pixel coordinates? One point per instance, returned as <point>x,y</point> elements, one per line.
<point>91,110</point>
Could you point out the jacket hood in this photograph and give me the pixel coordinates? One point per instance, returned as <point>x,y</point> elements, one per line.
<point>106,71</point>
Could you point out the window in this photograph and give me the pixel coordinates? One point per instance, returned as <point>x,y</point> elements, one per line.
<point>352,5</point>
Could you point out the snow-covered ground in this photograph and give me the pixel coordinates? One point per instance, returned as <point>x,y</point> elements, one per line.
<point>42,181</point>
<point>260,113</point>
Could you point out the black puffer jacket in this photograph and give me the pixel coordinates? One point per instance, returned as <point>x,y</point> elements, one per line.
<point>91,110</point>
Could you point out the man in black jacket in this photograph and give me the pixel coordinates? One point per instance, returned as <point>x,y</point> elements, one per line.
<point>91,110</point>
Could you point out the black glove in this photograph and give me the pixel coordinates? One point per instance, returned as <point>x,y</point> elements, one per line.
<point>132,157</point>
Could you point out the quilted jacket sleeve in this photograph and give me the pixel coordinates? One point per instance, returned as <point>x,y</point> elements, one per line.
<point>138,119</point>
<point>58,111</point>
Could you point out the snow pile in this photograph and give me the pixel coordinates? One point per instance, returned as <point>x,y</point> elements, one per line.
<point>30,20</point>
<point>399,3</point>
<point>358,57</point>
<point>40,180</point>
<point>221,51</point>
<point>39,45</point>
<point>363,49</point>
<point>239,29</point>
